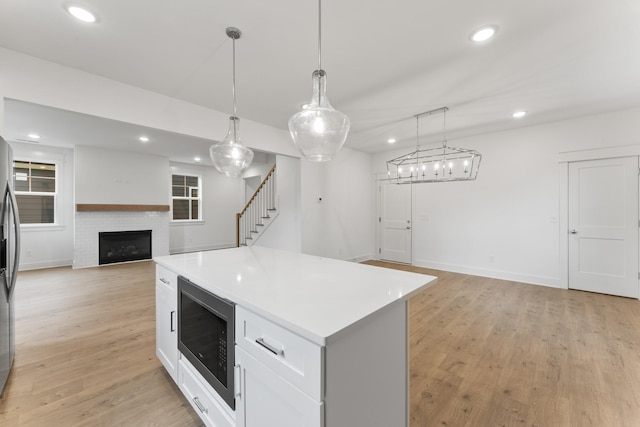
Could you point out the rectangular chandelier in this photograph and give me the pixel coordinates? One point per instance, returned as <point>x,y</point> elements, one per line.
<point>441,164</point>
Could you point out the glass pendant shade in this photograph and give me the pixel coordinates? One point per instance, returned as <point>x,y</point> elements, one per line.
<point>318,130</point>
<point>229,156</point>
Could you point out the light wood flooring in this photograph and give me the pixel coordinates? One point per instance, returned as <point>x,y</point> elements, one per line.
<point>484,352</point>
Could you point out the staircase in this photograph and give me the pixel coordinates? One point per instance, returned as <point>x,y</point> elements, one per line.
<point>259,211</point>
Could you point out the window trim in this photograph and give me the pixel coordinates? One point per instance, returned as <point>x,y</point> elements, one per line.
<point>188,198</point>
<point>55,194</point>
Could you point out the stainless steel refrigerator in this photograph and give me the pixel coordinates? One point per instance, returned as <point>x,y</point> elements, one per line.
<point>9,260</point>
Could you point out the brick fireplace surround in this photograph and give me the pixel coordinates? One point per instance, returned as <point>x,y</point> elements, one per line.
<point>91,219</point>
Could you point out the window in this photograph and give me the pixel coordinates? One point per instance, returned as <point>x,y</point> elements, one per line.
<point>35,188</point>
<point>185,191</point>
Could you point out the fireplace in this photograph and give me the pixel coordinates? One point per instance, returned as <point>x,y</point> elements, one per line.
<point>121,246</point>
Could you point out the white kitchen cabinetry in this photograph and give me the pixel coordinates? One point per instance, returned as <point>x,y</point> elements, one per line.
<point>280,375</point>
<point>318,342</point>
<point>359,378</point>
<point>266,399</point>
<point>201,396</point>
<point>167,320</point>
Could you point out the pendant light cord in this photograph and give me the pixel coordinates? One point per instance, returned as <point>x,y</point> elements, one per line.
<point>417,132</point>
<point>444,127</point>
<point>234,77</point>
<point>235,113</point>
<point>319,34</point>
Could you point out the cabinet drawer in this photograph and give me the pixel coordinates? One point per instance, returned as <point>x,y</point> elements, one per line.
<point>292,357</point>
<point>194,389</point>
<point>166,277</point>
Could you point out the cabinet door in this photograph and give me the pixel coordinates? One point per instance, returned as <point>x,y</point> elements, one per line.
<point>166,326</point>
<point>266,399</point>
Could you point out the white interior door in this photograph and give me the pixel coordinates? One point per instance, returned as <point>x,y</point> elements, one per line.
<point>603,226</point>
<point>395,223</point>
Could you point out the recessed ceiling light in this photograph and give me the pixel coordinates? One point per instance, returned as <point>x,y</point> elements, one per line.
<point>196,159</point>
<point>144,139</point>
<point>484,33</point>
<point>519,114</point>
<point>391,140</point>
<point>34,136</point>
<point>82,14</point>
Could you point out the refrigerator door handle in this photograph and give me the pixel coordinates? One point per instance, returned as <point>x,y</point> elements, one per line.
<point>11,271</point>
<point>16,225</point>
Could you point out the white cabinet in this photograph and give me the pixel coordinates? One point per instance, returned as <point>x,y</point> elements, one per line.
<point>201,396</point>
<point>292,357</point>
<point>359,378</point>
<point>266,399</point>
<point>167,319</point>
<point>356,375</point>
<point>280,375</point>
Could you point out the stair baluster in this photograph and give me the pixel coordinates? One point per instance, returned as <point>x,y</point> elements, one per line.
<point>258,208</point>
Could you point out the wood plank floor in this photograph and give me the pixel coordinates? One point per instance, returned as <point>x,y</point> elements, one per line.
<point>85,352</point>
<point>484,352</point>
<point>487,352</point>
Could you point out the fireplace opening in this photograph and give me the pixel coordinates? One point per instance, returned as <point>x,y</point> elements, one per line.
<point>121,246</point>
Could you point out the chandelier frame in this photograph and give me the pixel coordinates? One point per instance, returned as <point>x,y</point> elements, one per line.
<point>438,164</point>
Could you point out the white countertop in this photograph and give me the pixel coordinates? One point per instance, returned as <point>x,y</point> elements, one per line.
<point>312,296</point>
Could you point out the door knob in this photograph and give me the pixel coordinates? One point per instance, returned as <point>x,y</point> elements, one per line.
<point>574,231</point>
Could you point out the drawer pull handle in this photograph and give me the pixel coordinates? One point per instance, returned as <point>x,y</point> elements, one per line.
<point>165,281</point>
<point>200,405</point>
<point>237,385</point>
<point>269,347</point>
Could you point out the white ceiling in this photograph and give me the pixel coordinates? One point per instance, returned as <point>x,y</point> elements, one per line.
<point>385,60</point>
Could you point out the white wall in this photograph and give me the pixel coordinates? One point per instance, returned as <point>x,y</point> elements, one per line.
<point>254,174</point>
<point>507,213</point>
<point>49,245</point>
<point>285,230</point>
<point>30,79</point>
<point>341,224</point>
<point>506,223</point>
<point>222,199</point>
<point>117,177</point>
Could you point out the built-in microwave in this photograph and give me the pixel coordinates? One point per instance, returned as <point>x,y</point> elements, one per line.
<point>206,336</point>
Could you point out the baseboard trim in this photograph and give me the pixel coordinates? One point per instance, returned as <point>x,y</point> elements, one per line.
<point>361,258</point>
<point>25,266</point>
<point>552,282</point>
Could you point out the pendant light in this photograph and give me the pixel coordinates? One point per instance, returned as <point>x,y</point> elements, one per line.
<point>439,164</point>
<point>229,156</point>
<point>318,130</point>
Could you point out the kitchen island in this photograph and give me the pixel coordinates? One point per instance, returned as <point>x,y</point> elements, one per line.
<point>336,336</point>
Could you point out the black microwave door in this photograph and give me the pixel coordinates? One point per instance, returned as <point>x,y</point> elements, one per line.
<point>206,336</point>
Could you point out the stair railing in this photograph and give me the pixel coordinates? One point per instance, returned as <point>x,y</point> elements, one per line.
<point>257,209</point>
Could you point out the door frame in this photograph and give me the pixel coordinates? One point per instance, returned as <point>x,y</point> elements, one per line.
<point>380,180</point>
<point>564,158</point>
